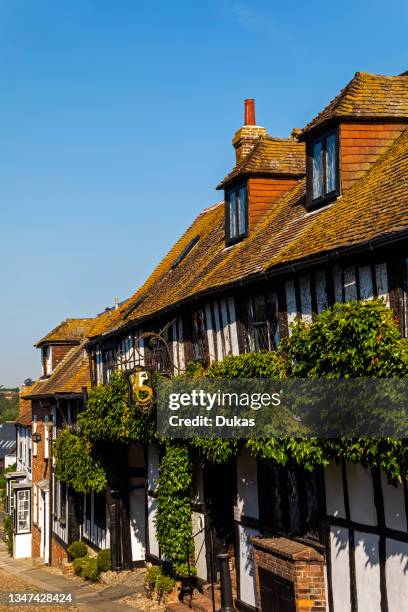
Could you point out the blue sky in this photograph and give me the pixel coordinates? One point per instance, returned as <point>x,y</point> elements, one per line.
<point>116,119</point>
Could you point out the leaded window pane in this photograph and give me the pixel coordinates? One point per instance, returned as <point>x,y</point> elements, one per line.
<point>199,336</point>
<point>263,326</point>
<point>317,170</point>
<point>242,211</point>
<point>233,215</point>
<point>331,162</point>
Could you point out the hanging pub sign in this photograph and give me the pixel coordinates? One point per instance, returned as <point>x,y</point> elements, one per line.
<point>141,387</point>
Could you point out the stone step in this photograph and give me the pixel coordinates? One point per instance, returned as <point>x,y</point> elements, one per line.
<point>199,603</point>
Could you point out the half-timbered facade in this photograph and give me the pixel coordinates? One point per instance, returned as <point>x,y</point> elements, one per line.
<point>305,222</point>
<point>317,218</point>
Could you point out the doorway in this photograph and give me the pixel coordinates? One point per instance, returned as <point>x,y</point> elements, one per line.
<point>219,485</point>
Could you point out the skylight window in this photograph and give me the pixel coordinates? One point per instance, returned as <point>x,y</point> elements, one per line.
<point>185,252</point>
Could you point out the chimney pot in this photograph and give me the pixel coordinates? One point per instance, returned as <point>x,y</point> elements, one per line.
<point>250,111</point>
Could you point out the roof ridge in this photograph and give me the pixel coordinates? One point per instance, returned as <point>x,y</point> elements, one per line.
<point>332,104</point>
<point>279,139</point>
<point>357,100</point>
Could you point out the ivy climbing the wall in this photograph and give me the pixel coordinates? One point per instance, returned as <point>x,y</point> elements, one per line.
<point>76,465</point>
<point>173,518</point>
<point>356,339</point>
<point>108,417</point>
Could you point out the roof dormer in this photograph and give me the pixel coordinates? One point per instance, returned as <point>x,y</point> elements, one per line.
<point>58,342</point>
<point>261,176</point>
<point>349,135</point>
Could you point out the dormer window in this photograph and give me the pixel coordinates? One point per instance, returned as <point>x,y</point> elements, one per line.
<point>323,173</point>
<point>46,359</point>
<point>236,214</point>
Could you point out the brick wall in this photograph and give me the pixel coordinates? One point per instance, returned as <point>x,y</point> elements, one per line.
<point>35,542</point>
<point>297,563</point>
<point>40,469</point>
<point>58,553</point>
<point>40,466</point>
<point>245,139</point>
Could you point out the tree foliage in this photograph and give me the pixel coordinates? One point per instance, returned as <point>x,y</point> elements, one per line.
<point>8,406</point>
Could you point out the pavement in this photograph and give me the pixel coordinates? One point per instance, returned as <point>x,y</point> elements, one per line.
<point>47,580</point>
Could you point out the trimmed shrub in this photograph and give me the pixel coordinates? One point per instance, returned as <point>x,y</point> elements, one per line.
<point>78,565</point>
<point>90,569</point>
<point>77,549</point>
<point>158,581</point>
<point>164,585</point>
<point>103,560</point>
<point>151,577</point>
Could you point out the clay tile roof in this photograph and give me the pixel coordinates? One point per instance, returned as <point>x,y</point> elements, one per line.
<point>169,284</point>
<point>374,207</point>
<point>24,416</point>
<point>104,321</point>
<point>369,96</point>
<point>70,375</point>
<point>69,331</point>
<point>270,156</point>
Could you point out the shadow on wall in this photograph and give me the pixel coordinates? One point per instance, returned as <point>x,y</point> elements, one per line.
<point>368,544</point>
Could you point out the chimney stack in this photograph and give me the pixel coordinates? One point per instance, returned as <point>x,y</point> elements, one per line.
<point>247,136</point>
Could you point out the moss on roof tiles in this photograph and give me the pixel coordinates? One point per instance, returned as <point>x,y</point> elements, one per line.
<point>376,205</point>
<point>373,96</point>
<point>70,330</point>
<point>24,415</point>
<point>270,156</point>
<point>70,376</point>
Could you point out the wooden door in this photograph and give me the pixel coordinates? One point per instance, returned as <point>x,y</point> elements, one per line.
<point>277,594</point>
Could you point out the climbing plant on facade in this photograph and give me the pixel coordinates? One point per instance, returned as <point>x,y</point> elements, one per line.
<point>76,465</point>
<point>173,518</point>
<point>356,339</point>
<point>108,417</point>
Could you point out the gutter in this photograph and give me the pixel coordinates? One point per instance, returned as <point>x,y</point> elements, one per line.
<point>274,272</point>
<point>55,396</point>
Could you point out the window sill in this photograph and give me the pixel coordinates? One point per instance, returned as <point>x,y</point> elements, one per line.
<point>232,241</point>
<point>321,202</point>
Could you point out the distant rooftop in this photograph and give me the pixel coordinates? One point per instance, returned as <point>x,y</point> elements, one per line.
<point>69,331</point>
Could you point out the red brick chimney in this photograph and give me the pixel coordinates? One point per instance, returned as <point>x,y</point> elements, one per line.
<point>247,136</point>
